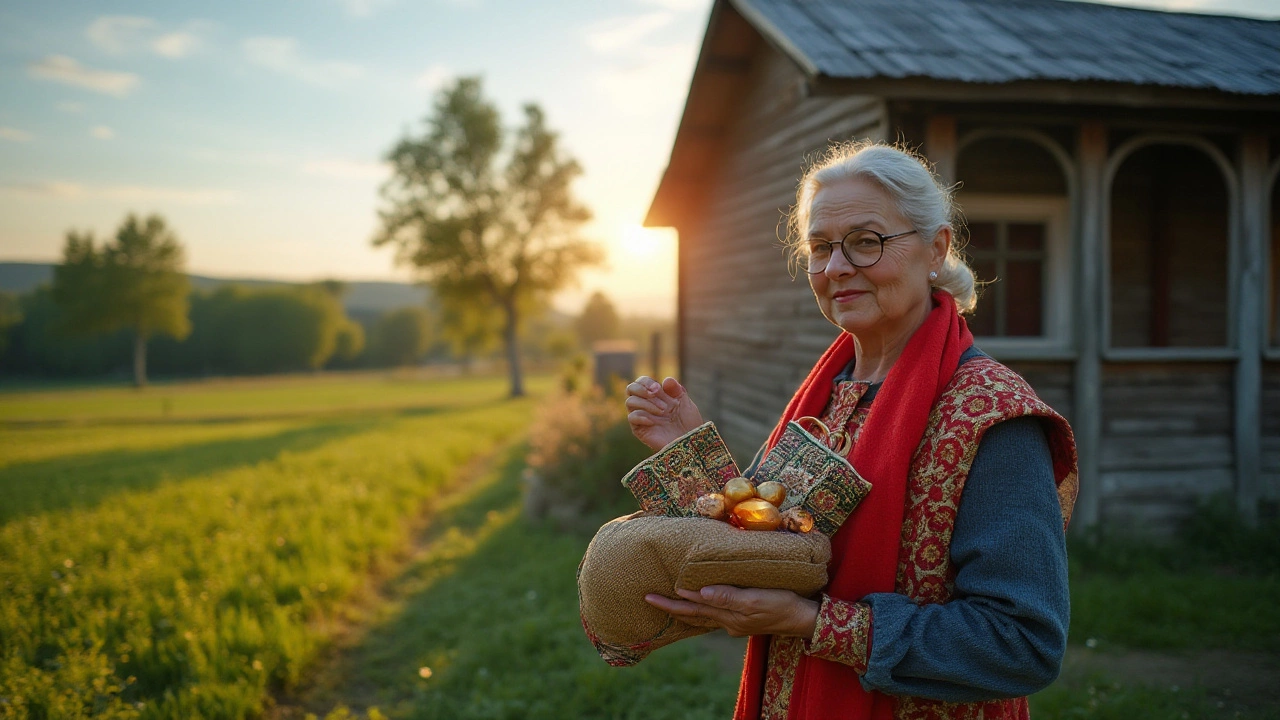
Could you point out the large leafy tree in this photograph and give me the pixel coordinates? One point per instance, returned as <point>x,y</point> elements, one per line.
<point>486,216</point>
<point>135,282</point>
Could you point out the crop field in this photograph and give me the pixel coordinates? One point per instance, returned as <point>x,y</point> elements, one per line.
<point>198,550</point>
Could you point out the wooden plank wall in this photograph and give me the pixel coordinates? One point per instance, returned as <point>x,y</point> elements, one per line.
<point>1166,442</point>
<point>751,332</point>
<point>1270,485</point>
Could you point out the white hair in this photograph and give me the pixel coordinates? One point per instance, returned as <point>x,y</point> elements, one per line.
<point>917,193</point>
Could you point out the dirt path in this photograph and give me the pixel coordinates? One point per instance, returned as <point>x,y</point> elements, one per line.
<point>455,515</point>
<point>1238,680</point>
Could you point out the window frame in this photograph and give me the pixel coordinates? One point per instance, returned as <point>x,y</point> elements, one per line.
<point>1271,280</point>
<point>1057,342</point>
<point>1115,161</point>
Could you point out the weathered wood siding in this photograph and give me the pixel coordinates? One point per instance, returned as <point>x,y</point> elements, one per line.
<point>1270,490</point>
<point>750,331</point>
<point>1166,442</point>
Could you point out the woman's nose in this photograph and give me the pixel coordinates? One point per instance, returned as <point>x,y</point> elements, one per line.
<point>839,266</point>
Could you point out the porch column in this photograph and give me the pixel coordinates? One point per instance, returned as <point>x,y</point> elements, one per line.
<point>1087,318</point>
<point>940,146</point>
<point>1249,331</point>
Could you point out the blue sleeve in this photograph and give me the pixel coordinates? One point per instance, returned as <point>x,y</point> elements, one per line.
<point>1004,633</point>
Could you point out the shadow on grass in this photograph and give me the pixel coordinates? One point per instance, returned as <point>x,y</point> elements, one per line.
<point>484,623</point>
<point>85,480</point>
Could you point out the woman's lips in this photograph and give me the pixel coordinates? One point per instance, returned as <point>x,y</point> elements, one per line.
<point>848,295</point>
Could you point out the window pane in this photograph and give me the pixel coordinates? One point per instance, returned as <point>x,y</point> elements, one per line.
<point>982,237</point>
<point>1026,236</point>
<point>1024,298</point>
<point>1169,250</point>
<point>983,320</point>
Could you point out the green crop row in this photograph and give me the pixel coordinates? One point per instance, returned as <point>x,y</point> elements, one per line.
<point>187,574</point>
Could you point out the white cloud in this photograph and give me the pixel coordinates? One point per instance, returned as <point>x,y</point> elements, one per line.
<point>14,134</point>
<point>102,132</point>
<point>343,169</point>
<point>364,8</point>
<point>621,34</point>
<point>74,108</point>
<point>123,193</point>
<point>281,55</point>
<point>63,69</point>
<point>433,78</point>
<point>118,34</point>
<point>121,34</point>
<point>679,5</point>
<point>175,44</point>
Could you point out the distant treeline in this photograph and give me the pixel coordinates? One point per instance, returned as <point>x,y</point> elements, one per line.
<point>248,331</point>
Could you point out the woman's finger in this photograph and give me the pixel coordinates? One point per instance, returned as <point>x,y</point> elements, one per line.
<point>640,417</point>
<point>634,402</point>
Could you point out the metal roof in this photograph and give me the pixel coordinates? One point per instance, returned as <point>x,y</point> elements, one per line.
<point>1000,41</point>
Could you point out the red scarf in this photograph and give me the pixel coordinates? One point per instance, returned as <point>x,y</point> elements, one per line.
<point>864,552</point>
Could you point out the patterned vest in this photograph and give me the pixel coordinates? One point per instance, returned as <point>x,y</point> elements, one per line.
<point>981,394</point>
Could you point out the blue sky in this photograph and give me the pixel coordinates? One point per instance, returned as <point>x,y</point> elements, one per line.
<point>257,128</point>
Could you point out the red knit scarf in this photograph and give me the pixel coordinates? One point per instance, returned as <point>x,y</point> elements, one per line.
<point>864,552</point>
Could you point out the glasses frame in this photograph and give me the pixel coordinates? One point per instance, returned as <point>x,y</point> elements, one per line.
<point>882,238</point>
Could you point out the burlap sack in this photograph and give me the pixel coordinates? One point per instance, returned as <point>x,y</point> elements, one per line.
<point>640,554</point>
<point>668,545</point>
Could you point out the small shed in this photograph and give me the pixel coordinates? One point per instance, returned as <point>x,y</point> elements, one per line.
<point>1118,173</point>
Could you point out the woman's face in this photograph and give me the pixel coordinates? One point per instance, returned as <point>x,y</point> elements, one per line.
<point>891,297</point>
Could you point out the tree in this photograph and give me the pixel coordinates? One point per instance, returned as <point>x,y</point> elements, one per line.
<point>136,283</point>
<point>478,229</point>
<point>598,321</point>
<point>403,336</point>
<point>10,315</point>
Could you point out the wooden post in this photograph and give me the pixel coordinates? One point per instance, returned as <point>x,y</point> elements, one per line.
<point>1249,318</point>
<point>1087,318</point>
<point>940,146</point>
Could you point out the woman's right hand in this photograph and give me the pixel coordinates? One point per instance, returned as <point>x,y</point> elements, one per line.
<point>660,412</point>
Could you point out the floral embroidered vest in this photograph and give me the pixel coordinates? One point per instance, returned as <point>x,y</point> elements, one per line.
<point>982,393</point>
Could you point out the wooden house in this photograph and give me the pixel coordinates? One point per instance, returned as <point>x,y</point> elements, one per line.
<point>1119,179</point>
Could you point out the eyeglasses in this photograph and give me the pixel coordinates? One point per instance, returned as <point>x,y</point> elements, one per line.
<point>860,246</point>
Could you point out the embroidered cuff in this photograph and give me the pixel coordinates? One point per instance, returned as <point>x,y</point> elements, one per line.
<point>695,464</point>
<point>842,633</point>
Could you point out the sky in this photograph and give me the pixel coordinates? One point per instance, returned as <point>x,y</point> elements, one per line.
<point>258,128</point>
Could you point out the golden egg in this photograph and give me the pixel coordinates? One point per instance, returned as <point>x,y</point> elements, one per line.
<point>737,490</point>
<point>797,520</point>
<point>773,491</point>
<point>711,506</point>
<point>757,514</point>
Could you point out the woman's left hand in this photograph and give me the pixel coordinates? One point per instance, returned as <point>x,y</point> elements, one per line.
<point>743,611</point>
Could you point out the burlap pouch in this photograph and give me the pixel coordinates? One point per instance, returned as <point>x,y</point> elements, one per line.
<point>639,554</point>
<point>668,546</point>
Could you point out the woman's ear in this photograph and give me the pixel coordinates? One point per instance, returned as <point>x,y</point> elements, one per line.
<point>939,248</point>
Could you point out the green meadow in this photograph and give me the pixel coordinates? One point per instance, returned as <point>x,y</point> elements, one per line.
<point>211,549</point>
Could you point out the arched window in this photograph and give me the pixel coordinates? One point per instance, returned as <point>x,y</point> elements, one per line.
<point>1273,270</point>
<point>1170,250</point>
<point>1014,196</point>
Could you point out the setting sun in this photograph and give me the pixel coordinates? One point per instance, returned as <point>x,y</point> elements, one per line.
<point>637,241</point>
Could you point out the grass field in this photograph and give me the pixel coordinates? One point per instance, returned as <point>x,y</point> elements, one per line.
<point>176,568</point>
<point>304,544</point>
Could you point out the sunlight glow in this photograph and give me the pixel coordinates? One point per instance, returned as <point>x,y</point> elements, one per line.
<point>642,243</point>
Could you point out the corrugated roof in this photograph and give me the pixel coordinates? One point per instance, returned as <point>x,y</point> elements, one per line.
<point>998,41</point>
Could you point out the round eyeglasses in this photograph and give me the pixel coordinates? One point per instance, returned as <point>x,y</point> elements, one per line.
<point>860,246</point>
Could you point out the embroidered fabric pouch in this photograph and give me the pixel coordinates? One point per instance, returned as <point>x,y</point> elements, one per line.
<point>668,546</point>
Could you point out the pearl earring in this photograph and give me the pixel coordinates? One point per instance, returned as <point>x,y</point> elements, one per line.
<point>933,276</point>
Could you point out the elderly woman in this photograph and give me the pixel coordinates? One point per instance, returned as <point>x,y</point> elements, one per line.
<point>948,584</point>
